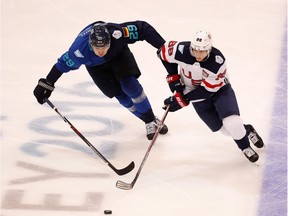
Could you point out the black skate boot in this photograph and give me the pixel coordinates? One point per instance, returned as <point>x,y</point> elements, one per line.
<point>254,136</point>
<point>151,128</point>
<point>164,128</point>
<point>251,154</point>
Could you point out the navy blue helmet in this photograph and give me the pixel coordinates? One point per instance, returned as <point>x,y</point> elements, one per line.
<point>99,35</point>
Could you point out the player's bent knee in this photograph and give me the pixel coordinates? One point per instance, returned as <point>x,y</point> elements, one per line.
<point>234,125</point>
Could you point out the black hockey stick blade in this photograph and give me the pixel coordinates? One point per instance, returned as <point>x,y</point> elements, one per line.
<point>123,171</point>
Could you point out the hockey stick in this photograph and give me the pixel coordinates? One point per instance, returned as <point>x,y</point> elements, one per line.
<point>123,171</point>
<point>128,186</point>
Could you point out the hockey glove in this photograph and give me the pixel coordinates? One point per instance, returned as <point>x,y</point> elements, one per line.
<point>176,102</point>
<point>43,90</point>
<point>174,83</point>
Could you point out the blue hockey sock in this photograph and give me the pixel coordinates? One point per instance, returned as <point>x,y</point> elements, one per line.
<point>131,87</point>
<point>125,101</point>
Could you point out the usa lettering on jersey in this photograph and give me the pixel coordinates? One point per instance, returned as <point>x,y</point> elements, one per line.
<point>211,74</point>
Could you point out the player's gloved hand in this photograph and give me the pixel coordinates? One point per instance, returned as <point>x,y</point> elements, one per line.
<point>174,83</point>
<point>158,52</point>
<point>43,90</point>
<point>176,102</point>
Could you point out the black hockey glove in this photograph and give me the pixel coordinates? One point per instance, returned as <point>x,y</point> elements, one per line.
<point>43,90</point>
<point>176,102</point>
<point>174,83</point>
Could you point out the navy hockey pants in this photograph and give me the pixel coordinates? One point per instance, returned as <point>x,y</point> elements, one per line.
<point>107,76</point>
<point>222,104</point>
<point>118,78</point>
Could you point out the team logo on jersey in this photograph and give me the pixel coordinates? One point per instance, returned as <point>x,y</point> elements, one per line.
<point>117,34</point>
<point>219,59</point>
<point>78,54</point>
<point>204,74</point>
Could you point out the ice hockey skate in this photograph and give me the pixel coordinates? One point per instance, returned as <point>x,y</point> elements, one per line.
<point>254,136</point>
<point>251,154</point>
<point>151,128</point>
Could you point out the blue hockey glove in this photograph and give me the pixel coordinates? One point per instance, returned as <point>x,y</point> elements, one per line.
<point>176,102</point>
<point>43,90</point>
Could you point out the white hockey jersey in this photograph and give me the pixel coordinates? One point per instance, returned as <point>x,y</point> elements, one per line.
<point>211,74</point>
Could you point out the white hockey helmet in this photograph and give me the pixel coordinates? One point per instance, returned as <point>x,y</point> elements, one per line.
<point>201,41</point>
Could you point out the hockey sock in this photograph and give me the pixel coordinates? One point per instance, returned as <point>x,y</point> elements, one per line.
<point>125,101</point>
<point>148,116</point>
<point>243,143</point>
<point>224,131</point>
<point>131,87</point>
<point>234,125</point>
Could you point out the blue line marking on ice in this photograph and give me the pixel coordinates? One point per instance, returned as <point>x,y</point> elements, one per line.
<point>273,200</point>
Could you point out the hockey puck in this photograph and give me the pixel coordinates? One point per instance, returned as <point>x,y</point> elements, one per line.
<point>107,212</point>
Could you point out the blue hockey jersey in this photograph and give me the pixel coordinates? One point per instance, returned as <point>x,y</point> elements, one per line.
<point>81,53</point>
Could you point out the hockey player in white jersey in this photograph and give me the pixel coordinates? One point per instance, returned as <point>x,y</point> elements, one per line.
<point>197,73</point>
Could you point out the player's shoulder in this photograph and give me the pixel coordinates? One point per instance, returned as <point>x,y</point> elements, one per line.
<point>80,48</point>
<point>117,30</point>
<point>216,53</point>
<point>82,39</point>
<point>183,47</point>
<point>85,31</point>
<point>184,43</point>
<point>179,45</point>
<point>215,61</point>
<point>183,52</point>
<point>81,42</point>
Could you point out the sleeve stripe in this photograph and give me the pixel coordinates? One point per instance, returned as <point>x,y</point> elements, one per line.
<point>163,51</point>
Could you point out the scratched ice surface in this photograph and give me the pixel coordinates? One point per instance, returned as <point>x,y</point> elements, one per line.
<point>46,169</point>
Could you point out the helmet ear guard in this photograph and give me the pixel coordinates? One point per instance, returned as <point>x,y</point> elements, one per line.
<point>202,41</point>
<point>99,35</point>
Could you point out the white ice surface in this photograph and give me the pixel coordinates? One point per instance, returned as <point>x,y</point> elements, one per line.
<point>47,170</point>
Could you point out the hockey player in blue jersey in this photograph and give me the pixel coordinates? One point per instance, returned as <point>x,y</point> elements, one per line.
<point>202,79</point>
<point>103,49</point>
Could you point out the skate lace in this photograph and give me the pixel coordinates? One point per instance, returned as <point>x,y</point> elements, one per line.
<point>151,127</point>
<point>248,152</point>
<point>253,137</point>
<point>158,122</point>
